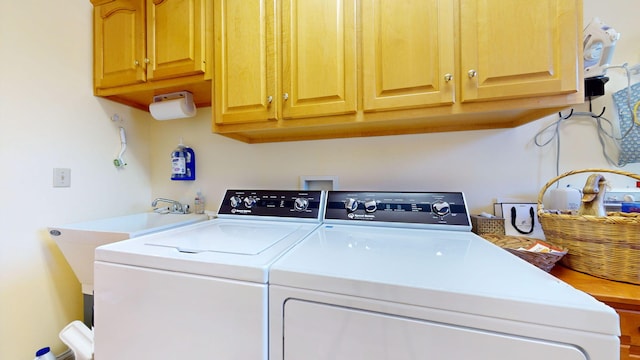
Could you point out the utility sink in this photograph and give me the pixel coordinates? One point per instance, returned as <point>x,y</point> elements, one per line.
<point>78,241</point>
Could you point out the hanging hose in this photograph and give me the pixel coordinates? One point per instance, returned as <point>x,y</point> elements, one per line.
<point>119,162</point>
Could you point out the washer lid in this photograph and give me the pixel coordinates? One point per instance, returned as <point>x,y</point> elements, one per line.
<point>248,239</point>
<point>232,249</point>
<point>449,270</point>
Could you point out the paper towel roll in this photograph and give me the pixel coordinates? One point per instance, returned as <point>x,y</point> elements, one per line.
<point>172,109</point>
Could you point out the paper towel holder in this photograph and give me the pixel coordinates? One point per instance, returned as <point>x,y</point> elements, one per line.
<point>188,108</point>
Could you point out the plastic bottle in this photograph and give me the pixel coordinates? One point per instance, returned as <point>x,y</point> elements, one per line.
<point>178,163</point>
<point>45,354</point>
<point>198,203</point>
<point>183,163</point>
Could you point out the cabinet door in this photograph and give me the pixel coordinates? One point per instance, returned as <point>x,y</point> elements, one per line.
<point>244,83</point>
<point>176,33</point>
<point>119,43</point>
<point>408,53</point>
<point>630,334</point>
<point>319,75</point>
<point>519,48</point>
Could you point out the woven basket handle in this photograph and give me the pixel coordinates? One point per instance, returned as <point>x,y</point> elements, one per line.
<point>557,178</point>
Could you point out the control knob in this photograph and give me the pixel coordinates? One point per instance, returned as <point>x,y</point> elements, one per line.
<point>235,201</point>
<point>351,204</point>
<point>441,208</point>
<point>301,204</point>
<point>370,206</point>
<point>249,202</point>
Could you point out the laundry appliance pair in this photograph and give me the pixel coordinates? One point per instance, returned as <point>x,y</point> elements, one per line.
<point>335,276</point>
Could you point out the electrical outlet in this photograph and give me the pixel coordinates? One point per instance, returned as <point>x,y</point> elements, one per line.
<point>61,177</point>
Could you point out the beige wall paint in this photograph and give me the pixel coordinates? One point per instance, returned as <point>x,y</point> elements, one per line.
<point>50,119</point>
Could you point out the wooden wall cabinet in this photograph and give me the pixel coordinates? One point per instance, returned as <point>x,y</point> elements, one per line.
<point>146,47</point>
<point>408,54</point>
<point>511,49</point>
<point>245,62</point>
<point>519,49</point>
<point>283,59</point>
<point>382,67</point>
<point>119,43</point>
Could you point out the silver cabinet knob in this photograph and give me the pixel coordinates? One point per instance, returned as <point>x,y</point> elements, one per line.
<point>448,77</point>
<point>472,73</point>
<point>146,60</point>
<point>136,63</point>
<point>269,99</point>
<point>285,96</point>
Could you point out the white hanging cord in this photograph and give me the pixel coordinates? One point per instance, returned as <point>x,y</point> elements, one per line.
<point>119,162</point>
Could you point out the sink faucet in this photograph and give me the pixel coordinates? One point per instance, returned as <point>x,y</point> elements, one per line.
<point>176,206</point>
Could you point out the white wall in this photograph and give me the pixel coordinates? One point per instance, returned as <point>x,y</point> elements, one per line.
<point>50,119</point>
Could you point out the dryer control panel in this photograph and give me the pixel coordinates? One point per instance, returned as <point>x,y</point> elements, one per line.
<point>418,208</point>
<point>273,203</point>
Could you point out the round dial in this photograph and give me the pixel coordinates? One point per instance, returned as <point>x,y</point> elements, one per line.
<point>301,204</point>
<point>370,206</point>
<point>441,208</point>
<point>351,204</point>
<point>249,202</point>
<point>235,201</point>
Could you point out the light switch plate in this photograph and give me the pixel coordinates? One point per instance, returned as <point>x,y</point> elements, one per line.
<point>61,177</point>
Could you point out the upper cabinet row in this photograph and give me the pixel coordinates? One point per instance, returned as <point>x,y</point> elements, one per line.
<point>301,69</point>
<point>310,69</point>
<point>146,47</point>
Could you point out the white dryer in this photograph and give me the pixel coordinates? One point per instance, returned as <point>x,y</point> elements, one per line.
<point>399,276</point>
<point>200,291</point>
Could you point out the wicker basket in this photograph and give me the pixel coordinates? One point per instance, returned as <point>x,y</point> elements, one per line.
<point>483,225</point>
<point>606,247</point>
<point>544,261</point>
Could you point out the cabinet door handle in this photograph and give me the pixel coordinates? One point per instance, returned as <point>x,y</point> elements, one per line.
<point>146,60</point>
<point>285,96</point>
<point>136,63</point>
<point>448,77</point>
<point>269,99</point>
<point>472,73</point>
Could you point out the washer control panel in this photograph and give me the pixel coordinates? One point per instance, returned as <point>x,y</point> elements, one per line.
<point>431,208</point>
<point>275,203</point>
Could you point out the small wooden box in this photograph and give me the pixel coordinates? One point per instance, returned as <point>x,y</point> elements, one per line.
<point>484,225</point>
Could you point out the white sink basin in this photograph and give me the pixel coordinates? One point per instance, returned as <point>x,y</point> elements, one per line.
<point>78,241</point>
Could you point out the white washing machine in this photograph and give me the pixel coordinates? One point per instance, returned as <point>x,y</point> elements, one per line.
<point>399,276</point>
<point>199,291</point>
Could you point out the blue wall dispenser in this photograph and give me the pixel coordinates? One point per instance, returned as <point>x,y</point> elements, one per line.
<point>183,163</point>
